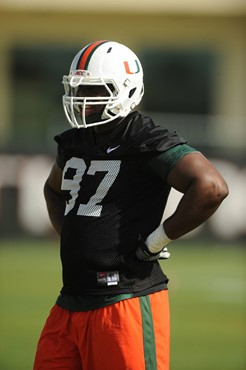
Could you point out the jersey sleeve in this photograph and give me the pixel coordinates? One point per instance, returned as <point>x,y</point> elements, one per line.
<point>64,141</point>
<point>162,164</point>
<point>151,137</point>
<point>60,156</point>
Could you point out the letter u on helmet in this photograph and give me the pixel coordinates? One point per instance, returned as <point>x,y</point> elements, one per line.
<point>111,65</point>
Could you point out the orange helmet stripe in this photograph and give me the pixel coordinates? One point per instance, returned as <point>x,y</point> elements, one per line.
<point>87,53</point>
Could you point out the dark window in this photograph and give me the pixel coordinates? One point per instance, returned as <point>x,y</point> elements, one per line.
<point>36,94</point>
<point>178,81</point>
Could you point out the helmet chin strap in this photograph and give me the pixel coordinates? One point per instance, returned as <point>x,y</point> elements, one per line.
<point>112,127</point>
<point>95,117</point>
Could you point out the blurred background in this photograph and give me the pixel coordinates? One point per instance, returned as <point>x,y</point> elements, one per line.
<point>194,59</point>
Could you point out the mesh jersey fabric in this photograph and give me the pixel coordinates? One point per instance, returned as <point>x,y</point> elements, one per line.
<point>161,164</point>
<point>112,197</point>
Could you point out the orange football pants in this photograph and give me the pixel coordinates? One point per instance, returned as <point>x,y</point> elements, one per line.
<point>132,334</point>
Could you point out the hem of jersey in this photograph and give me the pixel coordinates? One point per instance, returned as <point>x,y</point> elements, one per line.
<point>113,291</point>
<point>87,302</point>
<point>80,304</point>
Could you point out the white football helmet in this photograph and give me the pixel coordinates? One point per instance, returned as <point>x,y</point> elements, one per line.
<point>103,64</point>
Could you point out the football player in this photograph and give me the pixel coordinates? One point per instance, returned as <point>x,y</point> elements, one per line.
<point>106,195</point>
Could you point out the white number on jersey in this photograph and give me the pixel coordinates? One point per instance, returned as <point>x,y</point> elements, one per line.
<point>93,207</point>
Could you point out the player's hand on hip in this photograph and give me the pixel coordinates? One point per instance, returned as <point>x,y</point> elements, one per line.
<point>143,253</point>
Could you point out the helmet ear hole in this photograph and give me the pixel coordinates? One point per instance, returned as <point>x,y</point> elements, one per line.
<point>131,92</point>
<point>111,87</point>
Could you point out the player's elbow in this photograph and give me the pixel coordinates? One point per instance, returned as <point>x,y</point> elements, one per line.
<point>215,190</point>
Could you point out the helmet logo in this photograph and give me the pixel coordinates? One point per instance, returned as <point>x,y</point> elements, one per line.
<point>79,72</point>
<point>127,68</point>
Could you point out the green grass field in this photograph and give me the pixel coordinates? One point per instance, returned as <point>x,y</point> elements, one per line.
<point>207,298</point>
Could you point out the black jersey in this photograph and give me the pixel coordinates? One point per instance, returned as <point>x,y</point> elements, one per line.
<point>112,196</point>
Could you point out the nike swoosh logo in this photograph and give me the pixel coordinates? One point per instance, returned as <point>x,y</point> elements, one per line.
<point>109,150</point>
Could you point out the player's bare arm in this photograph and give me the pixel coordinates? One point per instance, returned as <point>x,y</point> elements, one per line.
<point>204,189</point>
<point>54,201</point>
